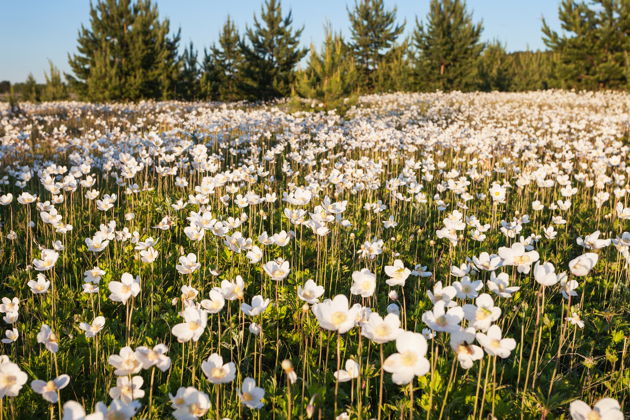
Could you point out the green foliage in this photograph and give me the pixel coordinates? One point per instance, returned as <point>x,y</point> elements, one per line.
<point>331,75</point>
<point>125,54</point>
<point>594,45</point>
<point>30,92</point>
<point>221,64</point>
<point>374,34</point>
<point>188,83</point>
<point>494,68</point>
<point>532,70</point>
<point>54,89</point>
<point>270,53</point>
<point>395,73</point>
<point>448,47</point>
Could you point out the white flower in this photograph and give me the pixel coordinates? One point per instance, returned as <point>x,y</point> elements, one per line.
<point>233,290</point>
<point>517,256</point>
<point>605,409</point>
<point>442,293</point>
<point>251,395</point>
<point>567,287</point>
<point>98,243</point>
<point>148,255</point>
<point>48,338</point>
<point>397,273</point>
<point>500,285</point>
<point>493,344</point>
<point>118,410</point>
<point>467,289</point>
<point>125,288</point>
<point>258,306</point>
<point>12,379</point>
<point>188,264</point>
<point>311,292</point>
<point>583,264</point>
<point>438,319</point>
<point>381,330</point>
<point>351,372</point>
<point>487,262</point>
<point>363,283</point>
<point>48,260</point>
<point>254,254</point>
<point>92,329</point>
<point>545,274</point>
<point>277,269</point>
<point>10,305</point>
<point>41,285</point>
<point>12,336</point>
<point>255,328</point>
<point>125,362</point>
<point>461,343</point>
<point>189,403</point>
<point>127,390</point>
<point>215,303</point>
<point>216,371</point>
<point>574,319</point>
<point>592,241</point>
<point>335,315</point>
<point>195,321</point>
<point>154,357</point>
<point>497,192</point>
<point>410,361</point>
<point>483,313</point>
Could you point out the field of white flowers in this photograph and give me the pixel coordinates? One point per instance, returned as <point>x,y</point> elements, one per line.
<point>424,256</point>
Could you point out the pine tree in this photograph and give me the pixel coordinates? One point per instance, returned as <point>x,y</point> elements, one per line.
<point>125,54</point>
<point>188,80</point>
<point>270,53</point>
<point>533,70</point>
<point>331,74</point>
<point>395,72</point>
<point>594,47</point>
<point>374,33</point>
<point>30,93</point>
<point>494,68</point>
<point>221,65</point>
<point>54,89</point>
<point>448,47</point>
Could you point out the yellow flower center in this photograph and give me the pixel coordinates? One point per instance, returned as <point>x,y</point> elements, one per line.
<point>593,415</point>
<point>338,318</point>
<point>382,330</point>
<point>483,313</point>
<point>218,372</point>
<point>408,358</point>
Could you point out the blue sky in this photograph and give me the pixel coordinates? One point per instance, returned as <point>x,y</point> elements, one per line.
<point>33,31</point>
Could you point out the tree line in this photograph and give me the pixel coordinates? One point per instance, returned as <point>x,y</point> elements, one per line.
<point>128,53</point>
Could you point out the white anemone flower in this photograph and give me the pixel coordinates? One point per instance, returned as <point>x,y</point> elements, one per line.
<point>410,361</point>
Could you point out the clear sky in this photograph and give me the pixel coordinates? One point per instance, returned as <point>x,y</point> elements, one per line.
<point>33,31</point>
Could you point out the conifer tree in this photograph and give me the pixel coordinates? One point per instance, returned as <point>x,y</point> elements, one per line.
<point>125,54</point>
<point>594,46</point>
<point>188,80</point>
<point>270,53</point>
<point>533,70</point>
<point>54,89</point>
<point>448,47</point>
<point>30,92</point>
<point>221,65</point>
<point>374,32</point>
<point>331,74</point>
<point>494,68</point>
<point>395,73</point>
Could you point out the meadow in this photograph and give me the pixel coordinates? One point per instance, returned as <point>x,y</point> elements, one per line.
<point>422,256</point>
